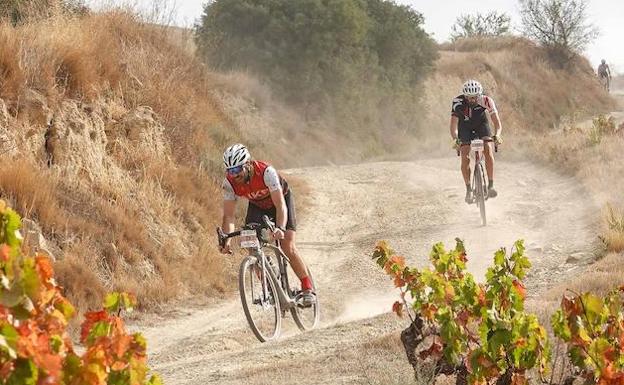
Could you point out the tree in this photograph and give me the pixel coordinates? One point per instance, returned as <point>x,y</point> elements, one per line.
<point>561,26</point>
<point>312,51</point>
<point>480,25</point>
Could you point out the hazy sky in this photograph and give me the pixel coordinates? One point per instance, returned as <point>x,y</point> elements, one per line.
<point>440,15</point>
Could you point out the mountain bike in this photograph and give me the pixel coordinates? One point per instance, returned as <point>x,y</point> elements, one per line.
<point>479,183</point>
<point>263,282</point>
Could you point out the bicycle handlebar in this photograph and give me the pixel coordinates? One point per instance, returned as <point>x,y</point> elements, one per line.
<point>485,141</point>
<point>267,223</point>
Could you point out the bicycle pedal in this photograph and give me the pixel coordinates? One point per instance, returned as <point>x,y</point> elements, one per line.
<point>300,303</point>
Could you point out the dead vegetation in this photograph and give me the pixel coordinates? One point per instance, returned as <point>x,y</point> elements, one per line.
<point>116,131</point>
<point>126,193</point>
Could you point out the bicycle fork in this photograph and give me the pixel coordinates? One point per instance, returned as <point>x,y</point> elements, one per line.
<point>285,302</point>
<point>479,162</point>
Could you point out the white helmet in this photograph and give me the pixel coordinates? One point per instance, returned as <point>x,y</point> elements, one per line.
<point>472,88</point>
<point>236,155</point>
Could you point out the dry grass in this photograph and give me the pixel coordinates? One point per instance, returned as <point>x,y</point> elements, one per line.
<point>380,361</point>
<point>31,191</point>
<point>138,213</point>
<point>77,273</point>
<point>600,278</point>
<point>614,232</point>
<point>485,44</point>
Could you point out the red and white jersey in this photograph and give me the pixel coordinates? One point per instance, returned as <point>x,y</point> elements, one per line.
<point>258,189</point>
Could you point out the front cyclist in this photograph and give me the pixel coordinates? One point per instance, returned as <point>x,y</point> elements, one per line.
<point>268,194</point>
<point>469,120</point>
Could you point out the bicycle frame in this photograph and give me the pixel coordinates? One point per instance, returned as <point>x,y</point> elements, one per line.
<point>477,155</point>
<point>285,298</point>
<point>275,288</point>
<point>476,148</point>
<point>281,283</point>
<point>478,185</point>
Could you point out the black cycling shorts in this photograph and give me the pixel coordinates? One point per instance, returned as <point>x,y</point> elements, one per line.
<point>466,134</point>
<point>255,213</point>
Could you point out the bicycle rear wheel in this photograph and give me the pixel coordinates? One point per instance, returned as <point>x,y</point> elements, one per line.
<point>480,191</point>
<point>261,307</point>
<point>307,318</point>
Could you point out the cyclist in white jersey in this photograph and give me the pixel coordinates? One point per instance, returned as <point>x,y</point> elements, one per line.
<point>470,115</point>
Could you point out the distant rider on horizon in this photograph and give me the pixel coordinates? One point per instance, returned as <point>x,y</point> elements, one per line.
<point>469,120</point>
<point>604,72</point>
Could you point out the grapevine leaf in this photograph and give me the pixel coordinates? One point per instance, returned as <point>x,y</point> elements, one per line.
<point>155,380</point>
<point>112,302</point>
<point>499,257</point>
<point>593,306</point>
<point>520,289</point>
<point>25,373</point>
<point>434,350</point>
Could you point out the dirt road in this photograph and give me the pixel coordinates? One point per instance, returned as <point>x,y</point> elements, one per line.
<point>412,205</point>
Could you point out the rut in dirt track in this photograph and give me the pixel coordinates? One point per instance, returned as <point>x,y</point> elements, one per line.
<point>412,205</point>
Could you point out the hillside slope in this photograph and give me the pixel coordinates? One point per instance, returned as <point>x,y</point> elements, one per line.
<point>114,135</point>
<point>114,131</point>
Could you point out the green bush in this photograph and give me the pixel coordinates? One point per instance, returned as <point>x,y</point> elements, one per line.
<point>342,56</point>
<point>480,331</point>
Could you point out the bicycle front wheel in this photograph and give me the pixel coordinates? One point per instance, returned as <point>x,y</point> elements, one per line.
<point>260,301</point>
<point>479,183</point>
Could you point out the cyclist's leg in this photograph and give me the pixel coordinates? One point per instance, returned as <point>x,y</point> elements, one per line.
<point>289,245</point>
<point>489,158</point>
<point>465,136</point>
<point>604,82</point>
<point>254,215</point>
<point>485,133</point>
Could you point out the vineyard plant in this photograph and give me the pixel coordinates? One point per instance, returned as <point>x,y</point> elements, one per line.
<point>35,347</point>
<point>481,333</point>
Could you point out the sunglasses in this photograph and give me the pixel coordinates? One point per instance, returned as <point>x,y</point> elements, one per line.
<point>235,170</point>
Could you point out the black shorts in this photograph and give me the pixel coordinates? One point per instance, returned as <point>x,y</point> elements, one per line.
<point>255,213</point>
<point>466,134</point>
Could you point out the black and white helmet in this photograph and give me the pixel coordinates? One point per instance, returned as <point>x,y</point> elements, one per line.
<point>472,88</point>
<point>236,155</point>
